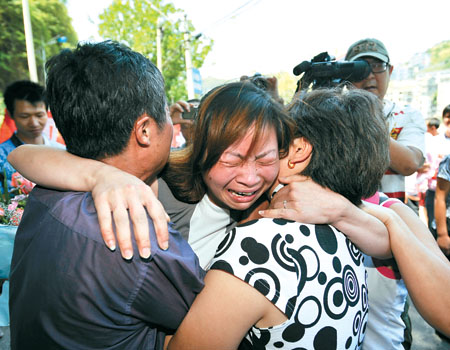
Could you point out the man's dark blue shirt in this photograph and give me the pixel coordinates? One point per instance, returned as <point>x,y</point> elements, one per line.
<point>69,291</point>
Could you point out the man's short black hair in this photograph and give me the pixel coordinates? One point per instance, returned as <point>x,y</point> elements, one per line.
<point>350,140</point>
<point>24,90</point>
<point>96,93</point>
<point>433,122</point>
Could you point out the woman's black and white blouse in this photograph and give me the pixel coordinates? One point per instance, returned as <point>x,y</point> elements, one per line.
<point>312,273</point>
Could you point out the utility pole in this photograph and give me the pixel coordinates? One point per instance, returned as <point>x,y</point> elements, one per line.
<point>29,41</point>
<point>188,61</point>
<point>158,44</point>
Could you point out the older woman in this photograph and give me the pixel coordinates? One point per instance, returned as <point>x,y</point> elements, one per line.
<point>284,284</point>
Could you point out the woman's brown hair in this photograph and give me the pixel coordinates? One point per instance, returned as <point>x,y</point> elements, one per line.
<point>225,115</point>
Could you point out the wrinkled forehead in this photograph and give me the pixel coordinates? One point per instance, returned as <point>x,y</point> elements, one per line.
<point>255,142</point>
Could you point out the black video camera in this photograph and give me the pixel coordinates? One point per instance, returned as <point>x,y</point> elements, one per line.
<point>324,71</point>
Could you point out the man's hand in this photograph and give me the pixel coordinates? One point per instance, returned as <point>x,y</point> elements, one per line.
<point>118,193</point>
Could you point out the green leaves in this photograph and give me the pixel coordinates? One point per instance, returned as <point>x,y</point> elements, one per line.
<point>134,23</point>
<point>49,19</point>
<point>440,56</point>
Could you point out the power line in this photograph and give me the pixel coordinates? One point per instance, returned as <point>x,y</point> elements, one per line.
<point>236,12</point>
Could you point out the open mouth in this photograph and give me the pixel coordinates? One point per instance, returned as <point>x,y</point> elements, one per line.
<point>242,194</point>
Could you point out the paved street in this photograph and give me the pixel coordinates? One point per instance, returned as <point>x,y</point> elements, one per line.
<point>423,334</point>
<point>424,337</point>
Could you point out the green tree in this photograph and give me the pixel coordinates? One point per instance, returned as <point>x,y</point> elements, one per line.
<point>49,19</point>
<point>134,23</point>
<point>439,56</point>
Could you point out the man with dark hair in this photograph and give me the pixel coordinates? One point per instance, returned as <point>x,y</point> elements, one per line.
<point>26,105</point>
<point>68,291</point>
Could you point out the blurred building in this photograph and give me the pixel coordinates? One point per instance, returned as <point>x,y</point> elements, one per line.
<point>428,91</point>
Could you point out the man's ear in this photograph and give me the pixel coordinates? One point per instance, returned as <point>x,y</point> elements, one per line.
<point>302,150</point>
<point>142,130</point>
<point>391,68</point>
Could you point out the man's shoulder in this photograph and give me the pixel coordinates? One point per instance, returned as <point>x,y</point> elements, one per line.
<point>50,197</point>
<point>75,210</point>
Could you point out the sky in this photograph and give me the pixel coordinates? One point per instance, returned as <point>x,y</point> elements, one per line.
<point>270,36</point>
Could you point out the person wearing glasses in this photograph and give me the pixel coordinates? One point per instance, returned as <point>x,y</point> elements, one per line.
<point>389,325</point>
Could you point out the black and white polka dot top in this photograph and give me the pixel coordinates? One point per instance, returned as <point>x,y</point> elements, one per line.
<point>312,273</point>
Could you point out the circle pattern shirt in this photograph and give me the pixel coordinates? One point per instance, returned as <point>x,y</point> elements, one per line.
<point>312,273</point>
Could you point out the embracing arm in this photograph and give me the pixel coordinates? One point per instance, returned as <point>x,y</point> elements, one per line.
<point>221,314</point>
<point>62,170</point>
<point>425,270</point>
<point>65,171</point>
<point>440,214</point>
<point>311,203</point>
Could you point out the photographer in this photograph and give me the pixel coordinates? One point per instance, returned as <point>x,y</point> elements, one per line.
<point>183,113</point>
<point>406,125</point>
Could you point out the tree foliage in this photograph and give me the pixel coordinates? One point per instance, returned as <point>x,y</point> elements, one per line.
<point>134,23</point>
<point>440,56</point>
<point>49,19</point>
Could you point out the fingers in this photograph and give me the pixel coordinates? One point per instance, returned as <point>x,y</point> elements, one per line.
<point>288,214</point>
<point>185,106</point>
<point>176,111</point>
<point>141,230</point>
<point>280,208</point>
<point>104,219</point>
<point>129,199</point>
<point>136,199</point>
<point>273,82</point>
<point>160,219</point>
<point>179,107</point>
<point>122,222</point>
<point>121,200</point>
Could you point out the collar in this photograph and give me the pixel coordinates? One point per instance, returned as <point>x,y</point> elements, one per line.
<point>18,142</point>
<point>388,108</point>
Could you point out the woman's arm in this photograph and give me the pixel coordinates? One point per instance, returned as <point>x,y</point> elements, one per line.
<point>425,270</point>
<point>222,314</point>
<point>440,214</point>
<point>65,171</point>
<point>311,203</point>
